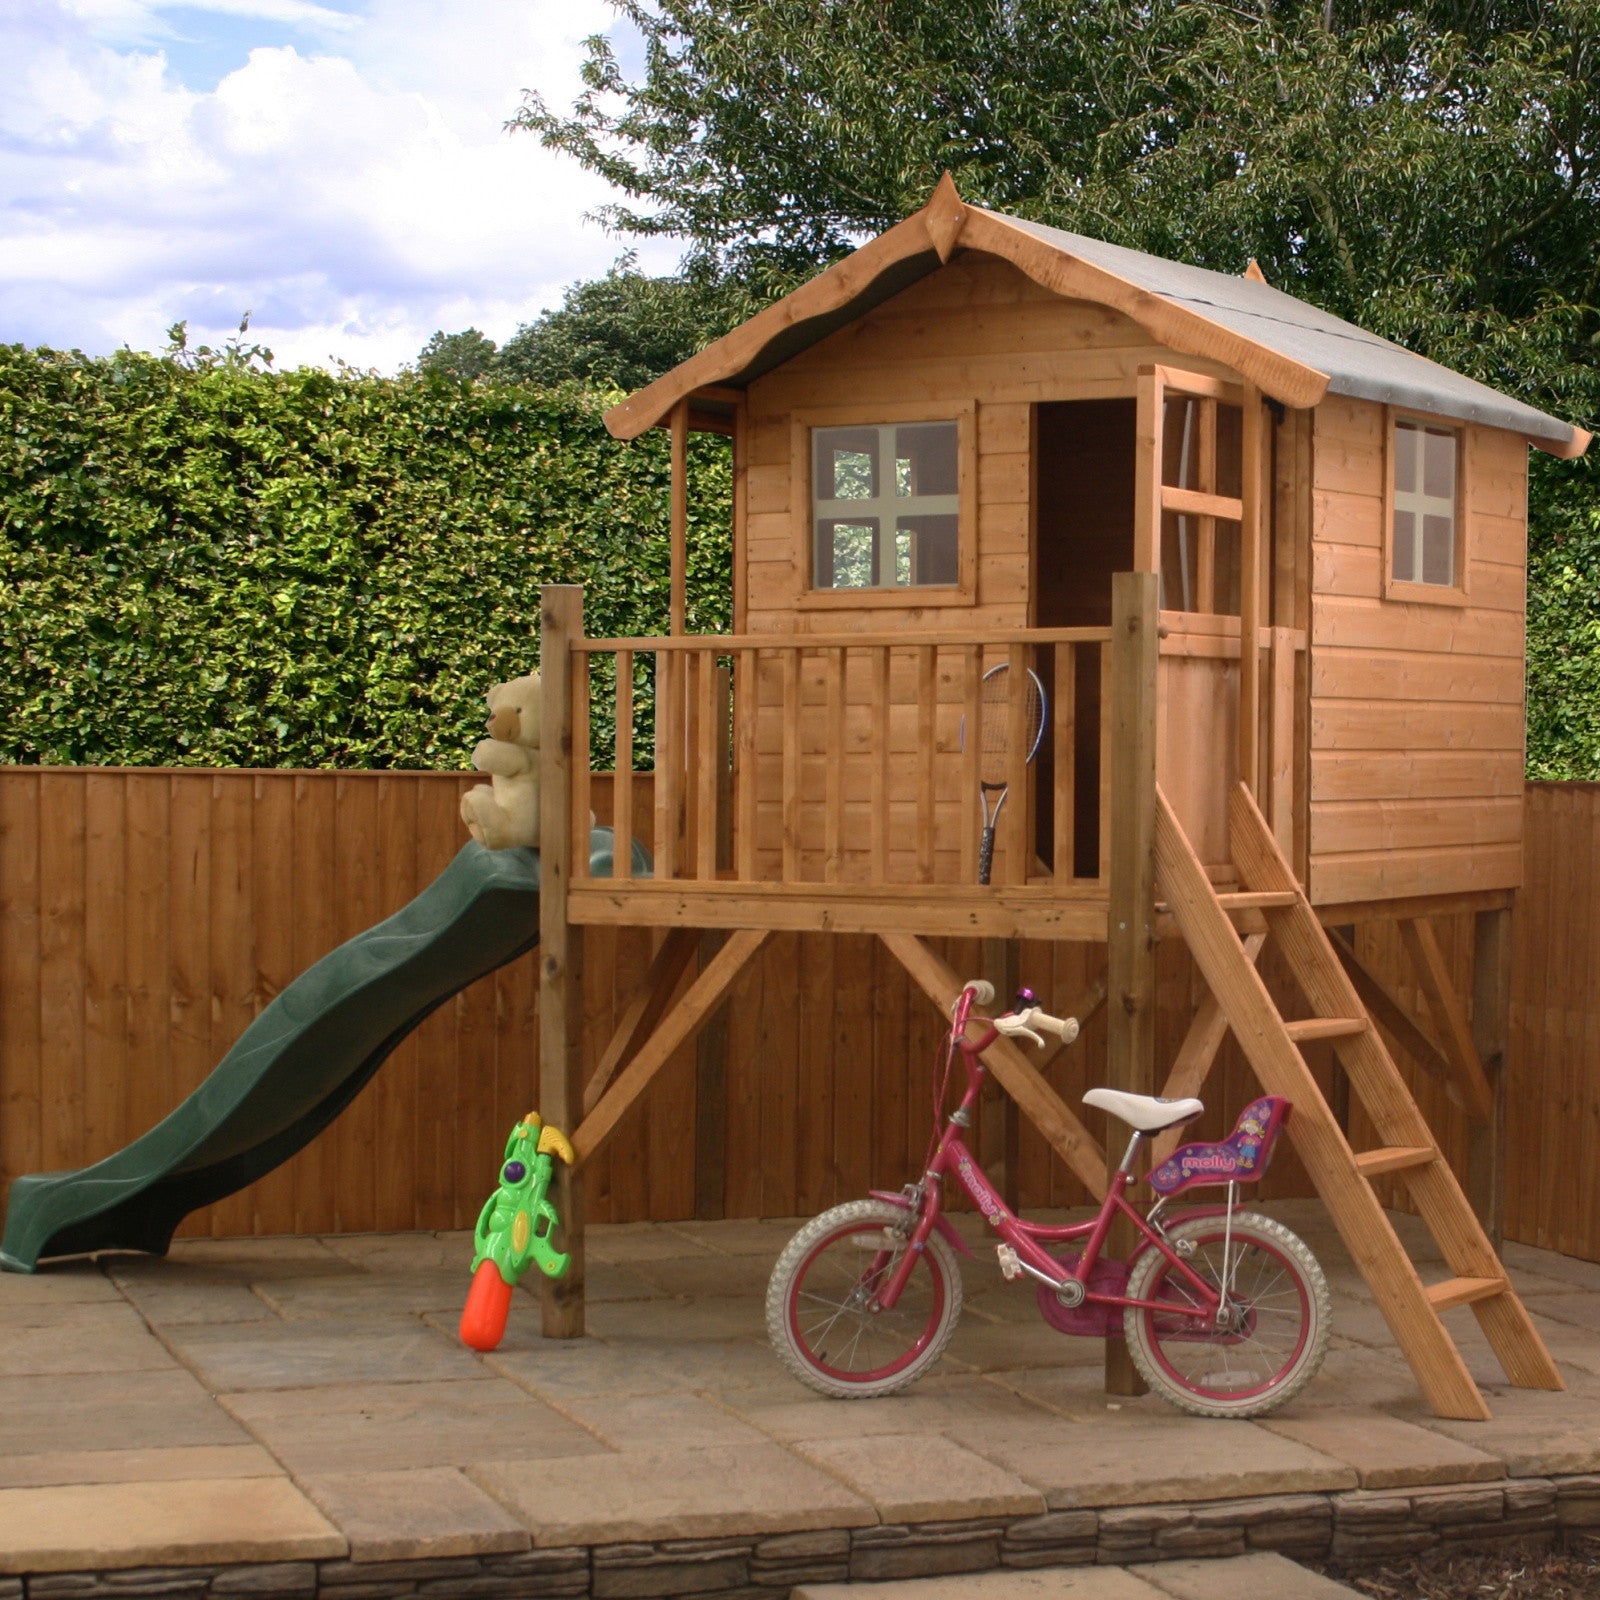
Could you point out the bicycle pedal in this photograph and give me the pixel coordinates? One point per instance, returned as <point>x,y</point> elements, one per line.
<point>1010,1266</point>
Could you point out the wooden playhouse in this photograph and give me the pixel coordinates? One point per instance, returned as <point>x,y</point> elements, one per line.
<point>1270,571</point>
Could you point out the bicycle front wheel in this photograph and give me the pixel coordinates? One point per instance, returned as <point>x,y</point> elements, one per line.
<point>822,1312</point>
<point>1278,1318</point>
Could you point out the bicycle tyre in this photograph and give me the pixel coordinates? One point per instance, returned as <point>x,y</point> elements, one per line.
<point>1243,1373</point>
<point>818,1303</point>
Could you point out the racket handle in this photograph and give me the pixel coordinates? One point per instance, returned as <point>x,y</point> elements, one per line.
<point>985,855</point>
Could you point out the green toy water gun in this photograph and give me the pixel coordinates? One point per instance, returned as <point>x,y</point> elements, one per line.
<point>514,1230</point>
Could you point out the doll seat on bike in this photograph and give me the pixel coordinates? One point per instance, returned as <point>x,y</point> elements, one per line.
<point>1146,1112</point>
<point>1242,1157</point>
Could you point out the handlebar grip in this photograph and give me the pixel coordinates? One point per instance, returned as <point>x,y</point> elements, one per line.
<point>1065,1028</point>
<point>982,990</point>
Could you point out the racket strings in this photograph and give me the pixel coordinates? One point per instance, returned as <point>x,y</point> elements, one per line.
<point>994,740</point>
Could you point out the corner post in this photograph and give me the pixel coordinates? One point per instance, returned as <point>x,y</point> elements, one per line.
<point>1130,935</point>
<point>560,944</point>
<point>1491,1033</point>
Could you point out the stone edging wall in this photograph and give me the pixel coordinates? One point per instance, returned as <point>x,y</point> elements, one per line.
<point>1348,1526</point>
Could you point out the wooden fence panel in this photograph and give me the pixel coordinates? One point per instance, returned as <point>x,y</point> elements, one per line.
<point>147,915</point>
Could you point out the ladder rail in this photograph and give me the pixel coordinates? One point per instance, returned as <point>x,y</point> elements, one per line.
<point>1362,1222</point>
<point>1433,1186</point>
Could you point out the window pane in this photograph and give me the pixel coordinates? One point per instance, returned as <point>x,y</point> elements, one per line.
<point>1438,549</point>
<point>1405,540</point>
<point>1180,562</point>
<point>1439,465</point>
<point>926,458</point>
<point>1230,451</point>
<point>931,549</point>
<point>1180,443</point>
<point>845,552</point>
<point>1226,602</point>
<point>846,462</point>
<point>1405,458</point>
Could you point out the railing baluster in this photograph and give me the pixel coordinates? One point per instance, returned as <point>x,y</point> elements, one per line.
<point>746,698</point>
<point>835,664</point>
<point>706,774</point>
<point>972,743</point>
<point>927,758</point>
<point>622,792</point>
<point>1016,843</point>
<point>668,761</point>
<point>791,764</point>
<point>580,763</point>
<point>1064,760</point>
<point>879,760</point>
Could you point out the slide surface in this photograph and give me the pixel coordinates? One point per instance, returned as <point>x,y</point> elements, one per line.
<point>297,1066</point>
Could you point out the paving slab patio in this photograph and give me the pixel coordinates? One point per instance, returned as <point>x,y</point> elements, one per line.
<point>299,1400</point>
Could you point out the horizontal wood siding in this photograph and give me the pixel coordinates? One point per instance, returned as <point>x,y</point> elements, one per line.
<point>1416,711</point>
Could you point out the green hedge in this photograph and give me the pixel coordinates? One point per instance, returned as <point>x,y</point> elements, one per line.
<point>231,567</point>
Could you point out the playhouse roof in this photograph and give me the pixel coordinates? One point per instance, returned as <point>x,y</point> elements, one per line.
<point>1295,353</point>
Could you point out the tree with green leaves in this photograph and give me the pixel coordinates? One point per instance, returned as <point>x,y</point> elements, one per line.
<point>468,354</point>
<point>620,331</point>
<point>1430,171</point>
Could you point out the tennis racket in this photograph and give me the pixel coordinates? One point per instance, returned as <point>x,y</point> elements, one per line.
<point>994,746</point>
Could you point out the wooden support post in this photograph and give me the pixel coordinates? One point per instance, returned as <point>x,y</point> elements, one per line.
<point>999,1131</point>
<point>1251,461</point>
<point>680,518</point>
<point>560,946</point>
<point>1491,1032</point>
<point>1449,1017</point>
<point>1131,952</point>
<point>711,1100</point>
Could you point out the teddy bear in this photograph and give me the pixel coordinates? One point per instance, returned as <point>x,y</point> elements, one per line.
<point>505,811</point>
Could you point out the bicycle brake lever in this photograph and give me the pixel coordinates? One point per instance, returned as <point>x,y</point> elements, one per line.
<point>1014,1026</point>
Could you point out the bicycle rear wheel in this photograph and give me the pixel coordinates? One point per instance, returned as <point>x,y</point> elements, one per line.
<point>822,1315</point>
<point>1280,1318</point>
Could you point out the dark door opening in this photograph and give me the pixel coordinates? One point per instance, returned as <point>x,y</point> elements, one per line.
<point>1083,532</point>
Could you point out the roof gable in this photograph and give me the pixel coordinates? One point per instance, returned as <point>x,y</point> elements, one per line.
<point>1291,350</point>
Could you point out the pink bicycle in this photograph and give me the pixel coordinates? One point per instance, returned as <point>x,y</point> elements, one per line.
<point>1226,1312</point>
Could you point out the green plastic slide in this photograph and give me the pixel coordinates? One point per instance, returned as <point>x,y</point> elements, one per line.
<point>297,1066</point>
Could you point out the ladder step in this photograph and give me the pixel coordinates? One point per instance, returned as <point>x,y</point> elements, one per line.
<point>1326,1027</point>
<point>1257,899</point>
<point>1396,1158</point>
<point>1463,1291</point>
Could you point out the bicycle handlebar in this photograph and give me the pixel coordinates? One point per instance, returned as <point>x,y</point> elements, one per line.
<point>1034,1018</point>
<point>1025,1022</point>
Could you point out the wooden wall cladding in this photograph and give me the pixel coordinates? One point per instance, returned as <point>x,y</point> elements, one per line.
<point>1416,713</point>
<point>146,915</point>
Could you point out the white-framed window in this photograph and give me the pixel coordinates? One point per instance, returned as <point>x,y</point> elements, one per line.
<point>886,505</point>
<point>1425,517</point>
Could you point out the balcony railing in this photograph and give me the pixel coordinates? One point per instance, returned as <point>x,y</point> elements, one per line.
<point>850,759</point>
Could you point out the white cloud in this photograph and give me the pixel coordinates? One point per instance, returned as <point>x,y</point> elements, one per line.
<point>349,181</point>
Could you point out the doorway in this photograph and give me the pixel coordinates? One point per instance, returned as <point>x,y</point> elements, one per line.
<point>1083,533</point>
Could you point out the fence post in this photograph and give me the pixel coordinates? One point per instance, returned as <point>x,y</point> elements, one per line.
<point>1130,938</point>
<point>560,944</point>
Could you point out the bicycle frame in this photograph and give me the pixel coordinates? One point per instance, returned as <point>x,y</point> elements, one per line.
<point>1028,1239</point>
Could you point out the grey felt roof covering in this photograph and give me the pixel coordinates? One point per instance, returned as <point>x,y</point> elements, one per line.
<point>1357,363</point>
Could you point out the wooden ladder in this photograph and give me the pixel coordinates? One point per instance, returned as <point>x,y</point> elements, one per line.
<point>1407,1146</point>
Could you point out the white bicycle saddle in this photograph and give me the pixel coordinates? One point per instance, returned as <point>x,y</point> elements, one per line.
<point>1145,1112</point>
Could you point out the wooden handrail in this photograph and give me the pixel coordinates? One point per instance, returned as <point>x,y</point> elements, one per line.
<point>727,643</point>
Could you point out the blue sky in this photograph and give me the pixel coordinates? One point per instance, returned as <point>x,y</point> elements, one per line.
<point>339,168</point>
